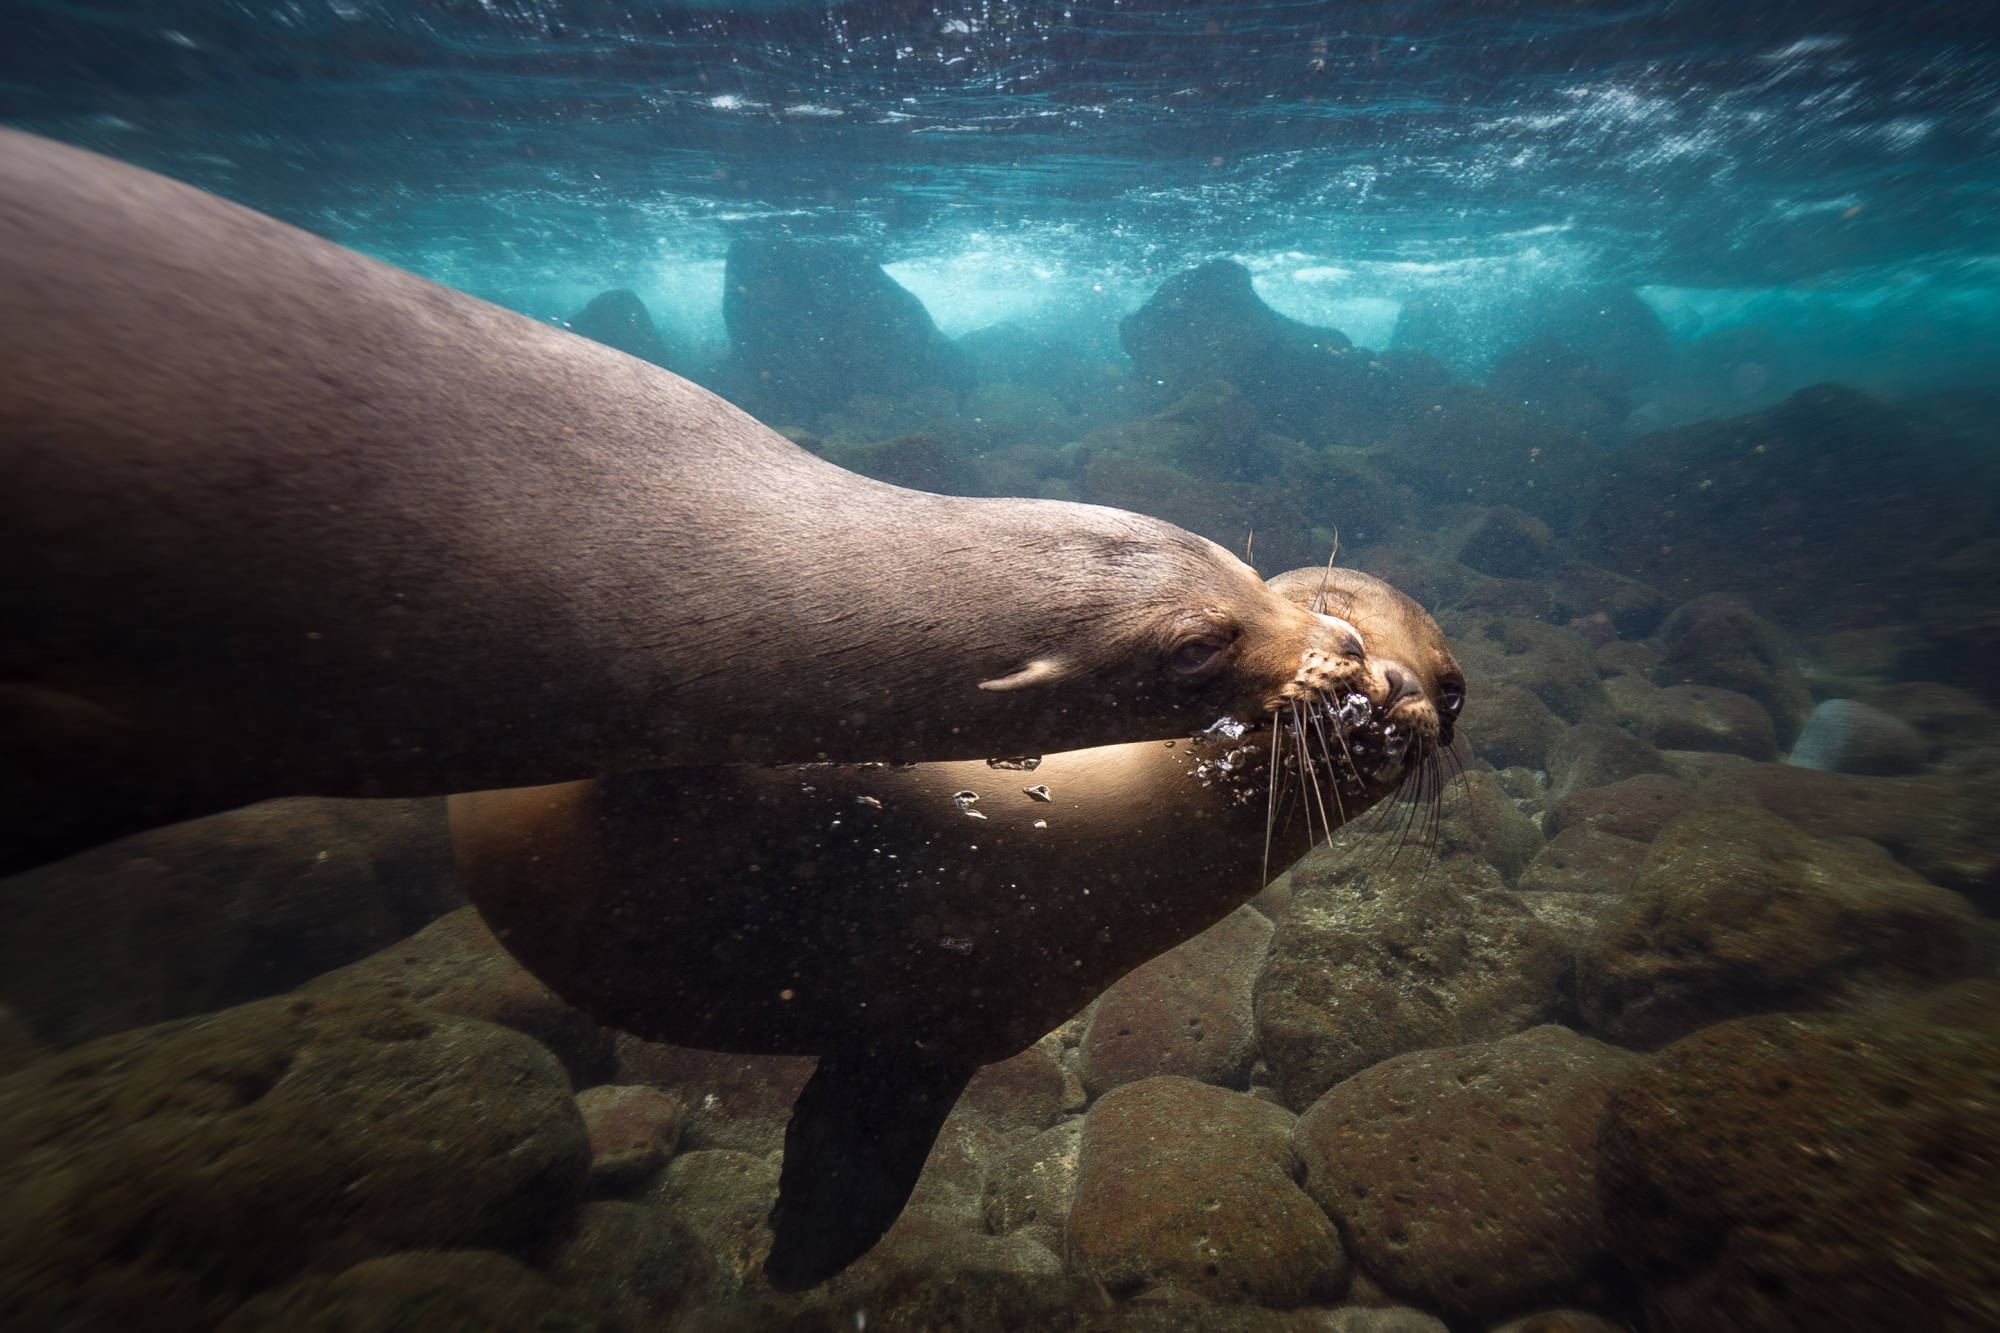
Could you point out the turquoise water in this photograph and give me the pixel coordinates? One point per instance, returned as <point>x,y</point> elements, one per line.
<point>1673,1009</point>
<point>1823,173</point>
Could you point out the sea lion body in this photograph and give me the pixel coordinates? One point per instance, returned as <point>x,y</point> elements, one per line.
<point>280,519</point>
<point>909,924</point>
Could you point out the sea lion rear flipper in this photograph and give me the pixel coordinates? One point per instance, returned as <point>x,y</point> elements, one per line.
<point>858,1137</point>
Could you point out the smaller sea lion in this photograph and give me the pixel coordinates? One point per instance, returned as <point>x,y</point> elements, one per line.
<point>909,924</point>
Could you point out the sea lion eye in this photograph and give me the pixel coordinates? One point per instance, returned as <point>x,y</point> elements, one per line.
<point>1451,696</point>
<point>1195,654</point>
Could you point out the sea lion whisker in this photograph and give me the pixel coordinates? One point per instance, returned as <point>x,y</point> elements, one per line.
<point>1318,795</point>
<point>1308,780</point>
<point>1319,728</point>
<point>1271,781</point>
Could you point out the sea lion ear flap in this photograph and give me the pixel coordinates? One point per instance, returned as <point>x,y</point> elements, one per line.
<point>1041,671</point>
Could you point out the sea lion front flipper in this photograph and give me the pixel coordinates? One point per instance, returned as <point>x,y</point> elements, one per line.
<point>858,1137</point>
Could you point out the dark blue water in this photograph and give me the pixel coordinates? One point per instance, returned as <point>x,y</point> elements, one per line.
<point>1829,173</point>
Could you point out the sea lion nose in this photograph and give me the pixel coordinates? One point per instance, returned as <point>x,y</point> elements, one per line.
<point>1402,684</point>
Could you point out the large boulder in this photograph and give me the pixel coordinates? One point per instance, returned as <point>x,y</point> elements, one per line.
<point>198,916</point>
<point>1465,1178</point>
<point>1472,329</point>
<point>1738,912</point>
<point>1828,509</point>
<point>1377,956</point>
<point>1464,444</point>
<point>1185,1012</point>
<point>618,318</point>
<point>1847,736</point>
<point>1552,663</point>
<point>1567,385</point>
<point>1636,807</point>
<point>466,1291</point>
<point>1030,1187</point>
<point>1183,1185</point>
<point>1208,323</point>
<point>814,322</point>
<point>1940,825</point>
<point>1810,1172</point>
<point>1719,640</point>
<point>454,965</point>
<point>1693,717</point>
<point>160,1177</point>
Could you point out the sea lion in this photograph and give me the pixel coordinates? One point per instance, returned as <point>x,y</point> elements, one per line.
<point>279,519</point>
<point>909,924</point>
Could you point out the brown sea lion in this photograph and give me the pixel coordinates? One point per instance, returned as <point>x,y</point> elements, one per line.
<point>909,924</point>
<point>279,519</point>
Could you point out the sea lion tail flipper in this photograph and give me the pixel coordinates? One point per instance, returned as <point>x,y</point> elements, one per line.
<point>858,1137</point>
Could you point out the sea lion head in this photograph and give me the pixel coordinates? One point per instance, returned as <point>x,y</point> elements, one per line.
<point>1410,688</point>
<point>1183,628</point>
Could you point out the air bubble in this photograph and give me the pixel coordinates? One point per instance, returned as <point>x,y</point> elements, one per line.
<point>868,801</point>
<point>1026,763</point>
<point>1038,793</point>
<point>1226,729</point>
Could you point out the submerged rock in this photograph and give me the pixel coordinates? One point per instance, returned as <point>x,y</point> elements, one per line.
<point>633,1130</point>
<point>1694,717</point>
<point>633,1266</point>
<point>1030,1189</point>
<point>1738,912</point>
<point>1509,726</point>
<point>1595,755</point>
<point>813,323</point>
<point>1720,640</point>
<point>1829,509</point>
<point>1844,736</point>
<point>1188,1186</point>
<point>1941,826</point>
<point>1553,663</point>
<point>618,318</point>
<point>158,1178</point>
<point>1632,609</point>
<point>1803,1171</point>
<point>730,1101</point>
<point>1465,1178</point>
<point>1585,860</point>
<point>1186,1012</point>
<point>1208,323</point>
<point>1381,956</point>
<point>1568,385</point>
<point>723,1198</point>
<point>466,1291</point>
<point>454,965</point>
<point>1637,807</point>
<point>1508,543</point>
<point>201,915</point>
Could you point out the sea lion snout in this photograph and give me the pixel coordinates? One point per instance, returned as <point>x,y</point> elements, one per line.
<point>1333,662</point>
<point>1398,691</point>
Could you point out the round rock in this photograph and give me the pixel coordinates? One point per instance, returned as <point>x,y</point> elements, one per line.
<point>1186,1012</point>
<point>1377,957</point>
<point>1737,911</point>
<point>1465,1178</point>
<point>158,1177</point>
<point>1184,1185</point>
<point>1810,1171</point>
